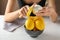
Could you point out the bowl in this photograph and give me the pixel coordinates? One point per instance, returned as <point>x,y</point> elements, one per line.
<point>32,33</point>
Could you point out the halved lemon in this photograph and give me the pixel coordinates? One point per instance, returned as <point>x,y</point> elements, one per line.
<point>29,24</point>
<point>40,24</point>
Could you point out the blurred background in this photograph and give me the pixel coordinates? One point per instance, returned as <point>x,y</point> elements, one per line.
<point>4,2</point>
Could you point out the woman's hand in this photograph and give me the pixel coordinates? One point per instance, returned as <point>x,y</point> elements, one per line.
<point>43,12</point>
<point>52,14</point>
<point>23,11</point>
<point>48,11</point>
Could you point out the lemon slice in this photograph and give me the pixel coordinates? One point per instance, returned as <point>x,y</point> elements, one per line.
<point>29,24</point>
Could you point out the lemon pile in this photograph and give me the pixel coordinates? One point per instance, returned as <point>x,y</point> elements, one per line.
<point>34,21</point>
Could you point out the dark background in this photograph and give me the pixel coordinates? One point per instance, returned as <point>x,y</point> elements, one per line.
<point>4,2</point>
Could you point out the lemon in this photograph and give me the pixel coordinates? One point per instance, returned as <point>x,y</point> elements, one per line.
<point>40,24</point>
<point>29,24</point>
<point>29,11</point>
<point>37,8</point>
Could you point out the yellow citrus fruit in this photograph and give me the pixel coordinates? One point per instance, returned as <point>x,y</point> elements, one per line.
<point>29,24</point>
<point>34,18</point>
<point>29,11</point>
<point>40,24</point>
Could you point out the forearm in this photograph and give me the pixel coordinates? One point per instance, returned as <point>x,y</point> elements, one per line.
<point>51,3</point>
<point>52,8</point>
<point>9,17</point>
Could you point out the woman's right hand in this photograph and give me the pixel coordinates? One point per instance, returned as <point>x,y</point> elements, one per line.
<point>23,11</point>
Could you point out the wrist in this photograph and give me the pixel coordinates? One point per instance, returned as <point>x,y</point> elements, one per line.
<point>52,7</point>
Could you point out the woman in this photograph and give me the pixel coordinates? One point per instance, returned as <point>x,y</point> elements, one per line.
<point>11,15</point>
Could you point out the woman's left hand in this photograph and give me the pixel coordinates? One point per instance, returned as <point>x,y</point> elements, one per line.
<point>52,14</point>
<point>46,11</point>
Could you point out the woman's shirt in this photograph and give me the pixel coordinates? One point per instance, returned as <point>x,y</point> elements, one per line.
<point>22,3</point>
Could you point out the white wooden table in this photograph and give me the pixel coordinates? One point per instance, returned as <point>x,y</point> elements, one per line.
<point>51,32</point>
